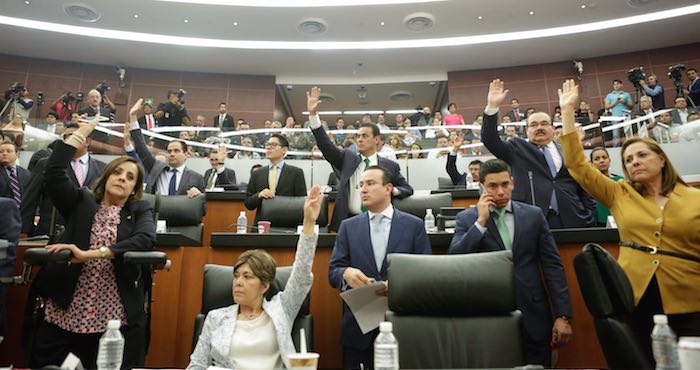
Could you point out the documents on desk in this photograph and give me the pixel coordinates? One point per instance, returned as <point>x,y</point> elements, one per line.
<point>366,305</point>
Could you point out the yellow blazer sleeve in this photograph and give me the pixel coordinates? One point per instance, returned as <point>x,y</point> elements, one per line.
<point>599,186</point>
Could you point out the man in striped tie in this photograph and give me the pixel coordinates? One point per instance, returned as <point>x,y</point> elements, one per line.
<point>13,178</point>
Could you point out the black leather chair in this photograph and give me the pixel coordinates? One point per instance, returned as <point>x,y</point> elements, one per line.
<point>455,311</point>
<point>183,216</point>
<point>288,212</point>
<point>417,204</point>
<point>216,293</point>
<point>609,298</point>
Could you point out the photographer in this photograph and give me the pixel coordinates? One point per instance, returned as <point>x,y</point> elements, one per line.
<point>65,106</point>
<point>18,98</point>
<point>94,101</point>
<point>422,118</point>
<point>653,89</point>
<point>173,112</point>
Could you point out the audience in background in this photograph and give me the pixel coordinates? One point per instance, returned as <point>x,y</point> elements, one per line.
<point>655,91</point>
<point>453,118</point>
<point>618,102</point>
<point>515,114</point>
<point>148,121</point>
<point>601,160</point>
<point>223,120</point>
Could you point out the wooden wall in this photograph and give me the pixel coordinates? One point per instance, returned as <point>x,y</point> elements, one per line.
<point>536,85</point>
<point>250,97</point>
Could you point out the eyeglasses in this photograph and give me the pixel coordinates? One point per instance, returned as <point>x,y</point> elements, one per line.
<point>272,145</point>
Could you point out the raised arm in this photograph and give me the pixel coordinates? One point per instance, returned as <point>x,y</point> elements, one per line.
<point>333,155</point>
<point>495,98</point>
<point>144,154</point>
<point>451,165</point>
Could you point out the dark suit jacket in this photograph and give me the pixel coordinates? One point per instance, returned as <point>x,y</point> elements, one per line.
<point>228,124</point>
<point>511,114</point>
<point>228,177</point>
<point>142,122</point>
<point>353,248</point>
<point>677,117</point>
<point>458,179</point>
<point>576,207</point>
<point>291,183</point>
<point>136,231</point>
<point>346,162</point>
<point>23,177</point>
<point>155,168</point>
<point>535,255</point>
<point>37,196</point>
<point>104,112</point>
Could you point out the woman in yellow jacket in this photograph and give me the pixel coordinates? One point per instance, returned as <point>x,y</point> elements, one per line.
<point>655,209</point>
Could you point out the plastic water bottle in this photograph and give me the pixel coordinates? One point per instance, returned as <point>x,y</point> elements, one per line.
<point>429,220</point>
<point>111,350</point>
<point>242,223</point>
<point>470,180</point>
<point>386,348</point>
<point>664,345</point>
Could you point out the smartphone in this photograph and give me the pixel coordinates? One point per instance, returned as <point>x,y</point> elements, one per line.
<point>482,189</point>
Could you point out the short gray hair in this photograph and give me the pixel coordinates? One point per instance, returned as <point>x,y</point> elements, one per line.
<point>645,98</point>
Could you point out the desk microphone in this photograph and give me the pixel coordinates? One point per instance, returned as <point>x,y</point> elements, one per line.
<point>532,187</point>
<point>257,229</point>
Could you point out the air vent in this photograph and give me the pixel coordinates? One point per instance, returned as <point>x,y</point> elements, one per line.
<point>640,3</point>
<point>312,26</point>
<point>419,22</point>
<point>327,98</point>
<point>82,12</point>
<point>401,96</point>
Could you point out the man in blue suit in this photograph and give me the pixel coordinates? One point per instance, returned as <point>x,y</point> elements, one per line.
<point>499,223</point>
<point>538,167</point>
<point>359,255</point>
<point>351,164</point>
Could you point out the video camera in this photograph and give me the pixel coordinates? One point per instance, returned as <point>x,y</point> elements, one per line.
<point>635,75</point>
<point>675,72</point>
<point>102,87</point>
<point>14,91</point>
<point>181,96</point>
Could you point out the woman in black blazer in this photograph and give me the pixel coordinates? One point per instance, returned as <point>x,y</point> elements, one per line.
<point>101,224</point>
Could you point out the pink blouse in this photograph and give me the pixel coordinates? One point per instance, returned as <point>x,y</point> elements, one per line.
<point>96,298</point>
<point>452,119</point>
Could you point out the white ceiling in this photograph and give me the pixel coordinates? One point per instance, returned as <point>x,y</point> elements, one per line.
<point>348,23</point>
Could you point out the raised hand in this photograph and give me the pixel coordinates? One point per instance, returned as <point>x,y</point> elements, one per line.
<point>497,94</point>
<point>568,95</point>
<point>313,100</point>
<point>136,107</point>
<point>127,134</point>
<point>312,205</point>
<point>458,141</point>
<point>221,154</point>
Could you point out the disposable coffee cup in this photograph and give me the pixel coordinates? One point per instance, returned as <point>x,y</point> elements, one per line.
<point>689,352</point>
<point>304,361</point>
<point>264,227</point>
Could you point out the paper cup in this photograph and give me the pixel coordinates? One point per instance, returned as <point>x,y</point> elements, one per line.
<point>689,353</point>
<point>264,227</point>
<point>304,361</point>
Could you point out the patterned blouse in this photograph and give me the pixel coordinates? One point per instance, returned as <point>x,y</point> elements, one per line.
<point>96,298</point>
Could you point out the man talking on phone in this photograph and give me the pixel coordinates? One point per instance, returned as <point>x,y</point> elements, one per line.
<point>499,223</point>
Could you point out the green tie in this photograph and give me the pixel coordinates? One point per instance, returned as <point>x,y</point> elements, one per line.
<point>362,206</point>
<point>503,228</point>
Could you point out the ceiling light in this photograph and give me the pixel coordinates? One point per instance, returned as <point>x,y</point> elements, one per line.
<point>381,23</point>
<point>186,21</point>
<point>235,23</point>
<point>480,17</point>
<point>136,15</point>
<point>26,2</point>
<point>583,6</point>
<point>301,3</point>
<point>82,12</point>
<point>401,96</point>
<point>532,12</point>
<point>349,45</point>
<point>312,26</point>
<point>419,22</point>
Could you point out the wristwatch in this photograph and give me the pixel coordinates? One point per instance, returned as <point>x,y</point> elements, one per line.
<point>103,252</point>
<point>565,318</point>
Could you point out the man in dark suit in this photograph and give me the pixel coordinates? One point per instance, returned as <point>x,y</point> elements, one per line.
<point>13,178</point>
<point>148,121</point>
<point>460,179</point>
<point>94,102</point>
<point>351,165</point>
<point>223,120</point>
<point>171,178</point>
<point>83,166</point>
<point>497,223</point>
<point>218,175</point>
<point>693,91</point>
<point>538,167</point>
<point>278,178</point>
<point>360,251</point>
<point>515,113</point>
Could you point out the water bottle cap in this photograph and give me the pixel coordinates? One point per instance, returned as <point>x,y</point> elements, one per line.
<point>385,326</point>
<point>660,319</point>
<point>428,211</point>
<point>242,213</point>
<point>114,324</point>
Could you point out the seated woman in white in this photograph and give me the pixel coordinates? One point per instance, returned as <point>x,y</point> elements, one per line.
<point>255,333</point>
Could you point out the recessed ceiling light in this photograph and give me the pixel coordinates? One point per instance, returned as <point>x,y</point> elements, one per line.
<point>480,17</point>
<point>419,22</point>
<point>532,12</point>
<point>82,12</point>
<point>312,26</point>
<point>583,6</point>
<point>136,15</point>
<point>26,2</point>
<point>235,23</point>
<point>381,23</point>
<point>186,21</point>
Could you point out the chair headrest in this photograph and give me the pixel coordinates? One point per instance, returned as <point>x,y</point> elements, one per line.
<point>604,285</point>
<point>179,210</point>
<point>456,285</point>
<point>416,204</point>
<point>445,183</point>
<point>288,212</point>
<point>218,280</point>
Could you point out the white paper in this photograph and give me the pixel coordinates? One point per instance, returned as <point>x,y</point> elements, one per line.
<point>366,305</point>
<point>161,226</point>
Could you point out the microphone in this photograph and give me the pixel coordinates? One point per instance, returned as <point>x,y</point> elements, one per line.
<point>532,187</point>
<point>257,229</point>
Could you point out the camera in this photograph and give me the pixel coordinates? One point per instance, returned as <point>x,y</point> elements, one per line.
<point>79,96</point>
<point>67,98</point>
<point>181,95</point>
<point>635,75</point>
<point>40,98</point>
<point>675,72</point>
<point>14,91</point>
<point>102,87</point>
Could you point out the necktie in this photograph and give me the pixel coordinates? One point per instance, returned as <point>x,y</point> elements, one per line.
<point>553,204</point>
<point>78,170</point>
<point>272,180</point>
<point>503,228</point>
<point>14,186</point>
<point>172,187</point>
<point>362,206</point>
<point>210,181</point>
<point>379,237</point>
<point>516,115</point>
<point>221,120</point>
<point>149,120</point>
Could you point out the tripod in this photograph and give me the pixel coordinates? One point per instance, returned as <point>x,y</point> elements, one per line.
<point>679,93</point>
